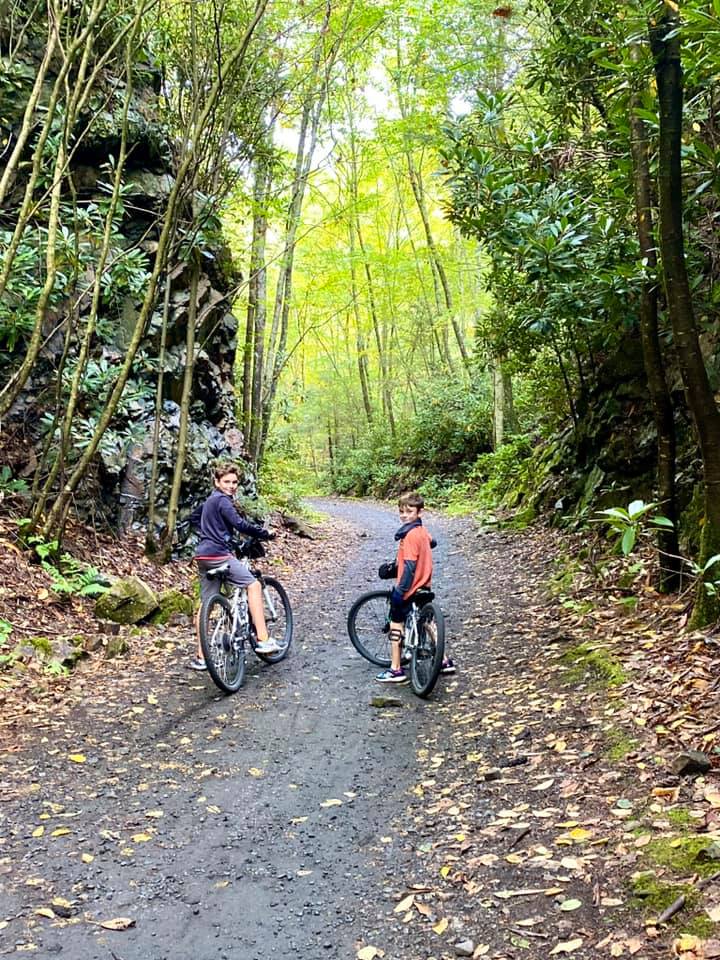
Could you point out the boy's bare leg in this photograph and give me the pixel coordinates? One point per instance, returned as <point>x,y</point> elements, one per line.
<point>257,611</point>
<point>397,631</point>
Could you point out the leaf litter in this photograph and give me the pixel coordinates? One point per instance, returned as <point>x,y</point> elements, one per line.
<point>542,795</point>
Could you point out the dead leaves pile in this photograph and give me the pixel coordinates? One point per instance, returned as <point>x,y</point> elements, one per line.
<point>541,798</point>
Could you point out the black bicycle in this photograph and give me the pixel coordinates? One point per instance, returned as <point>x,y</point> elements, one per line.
<point>368,625</point>
<point>226,627</point>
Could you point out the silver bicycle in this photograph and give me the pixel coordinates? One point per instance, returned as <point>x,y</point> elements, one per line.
<point>368,625</point>
<point>226,628</point>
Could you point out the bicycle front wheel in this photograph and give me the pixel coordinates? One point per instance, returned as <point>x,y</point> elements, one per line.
<point>427,655</point>
<point>368,625</point>
<point>224,653</point>
<point>278,617</point>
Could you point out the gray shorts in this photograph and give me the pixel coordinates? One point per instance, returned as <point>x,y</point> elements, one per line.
<point>240,576</point>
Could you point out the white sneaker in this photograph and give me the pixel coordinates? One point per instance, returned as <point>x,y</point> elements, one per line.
<point>267,647</point>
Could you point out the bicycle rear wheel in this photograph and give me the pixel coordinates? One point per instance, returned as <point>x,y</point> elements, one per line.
<point>224,653</point>
<point>278,617</point>
<point>368,625</point>
<point>427,655</point>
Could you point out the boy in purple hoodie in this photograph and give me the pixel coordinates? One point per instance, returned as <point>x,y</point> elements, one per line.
<point>217,520</point>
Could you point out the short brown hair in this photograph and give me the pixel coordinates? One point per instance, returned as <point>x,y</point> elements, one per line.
<point>224,469</point>
<point>411,498</point>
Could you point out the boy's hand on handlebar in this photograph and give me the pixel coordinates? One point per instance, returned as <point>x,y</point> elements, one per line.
<point>265,535</point>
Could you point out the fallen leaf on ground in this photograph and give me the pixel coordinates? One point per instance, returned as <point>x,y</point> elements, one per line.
<point>77,757</point>
<point>527,892</point>
<point>368,953</point>
<point>118,923</point>
<point>566,946</point>
<point>405,904</point>
<point>331,803</point>
<point>441,926</point>
<point>568,905</point>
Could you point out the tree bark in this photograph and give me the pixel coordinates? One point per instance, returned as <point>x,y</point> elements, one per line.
<point>253,353</point>
<point>185,401</point>
<point>503,406</point>
<point>665,44</point>
<point>667,540</point>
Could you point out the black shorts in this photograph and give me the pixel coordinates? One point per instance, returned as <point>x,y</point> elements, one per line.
<point>398,611</point>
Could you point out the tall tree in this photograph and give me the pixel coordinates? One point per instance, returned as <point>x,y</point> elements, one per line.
<point>665,40</point>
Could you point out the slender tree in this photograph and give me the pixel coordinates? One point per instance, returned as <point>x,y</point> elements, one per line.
<point>665,40</point>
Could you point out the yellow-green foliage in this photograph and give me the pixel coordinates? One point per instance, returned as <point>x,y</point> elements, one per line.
<point>672,861</point>
<point>619,744</point>
<point>653,894</point>
<point>597,662</point>
<point>680,855</point>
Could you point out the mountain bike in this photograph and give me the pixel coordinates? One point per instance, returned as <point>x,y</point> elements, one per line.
<point>226,627</point>
<point>368,625</point>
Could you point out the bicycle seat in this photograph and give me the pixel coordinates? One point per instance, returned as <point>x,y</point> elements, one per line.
<point>422,596</point>
<point>218,572</point>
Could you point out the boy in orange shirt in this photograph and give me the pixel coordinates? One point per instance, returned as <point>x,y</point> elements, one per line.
<point>414,570</point>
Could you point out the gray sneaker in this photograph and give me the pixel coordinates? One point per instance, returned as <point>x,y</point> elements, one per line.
<point>267,647</point>
<point>197,664</point>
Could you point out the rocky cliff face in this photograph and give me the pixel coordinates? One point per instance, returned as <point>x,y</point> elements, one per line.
<point>115,492</point>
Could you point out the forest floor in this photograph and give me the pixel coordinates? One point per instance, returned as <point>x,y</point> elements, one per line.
<point>531,808</point>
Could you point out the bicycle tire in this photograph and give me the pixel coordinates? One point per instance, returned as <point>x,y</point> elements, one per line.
<point>278,617</point>
<point>368,624</point>
<point>224,657</point>
<point>427,655</point>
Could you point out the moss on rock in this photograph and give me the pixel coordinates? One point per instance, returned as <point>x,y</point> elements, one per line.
<point>597,662</point>
<point>127,601</point>
<point>172,604</point>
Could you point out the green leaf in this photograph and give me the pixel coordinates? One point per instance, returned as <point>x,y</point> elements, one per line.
<point>628,540</point>
<point>663,522</point>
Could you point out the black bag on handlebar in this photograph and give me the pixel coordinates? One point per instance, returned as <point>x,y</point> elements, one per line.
<point>250,549</point>
<point>388,571</point>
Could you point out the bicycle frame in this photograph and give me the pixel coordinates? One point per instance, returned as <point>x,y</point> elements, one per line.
<point>410,637</point>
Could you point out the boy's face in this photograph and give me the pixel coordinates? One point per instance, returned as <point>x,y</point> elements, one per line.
<point>228,484</point>
<point>408,514</point>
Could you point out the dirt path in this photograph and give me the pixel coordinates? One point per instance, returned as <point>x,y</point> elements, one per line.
<point>204,816</point>
<point>293,819</point>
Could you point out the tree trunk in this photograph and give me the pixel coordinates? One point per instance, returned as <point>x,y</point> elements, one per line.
<point>185,401</point>
<point>503,406</point>
<point>667,540</point>
<point>185,173</point>
<point>362,361</point>
<point>379,340</point>
<point>665,43</point>
<point>312,111</point>
<point>254,351</point>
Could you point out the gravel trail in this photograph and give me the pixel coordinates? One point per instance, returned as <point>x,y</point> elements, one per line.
<point>205,819</point>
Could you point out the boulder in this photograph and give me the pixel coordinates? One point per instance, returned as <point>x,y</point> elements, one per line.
<point>129,600</point>
<point>115,647</point>
<point>298,527</point>
<point>174,606</point>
